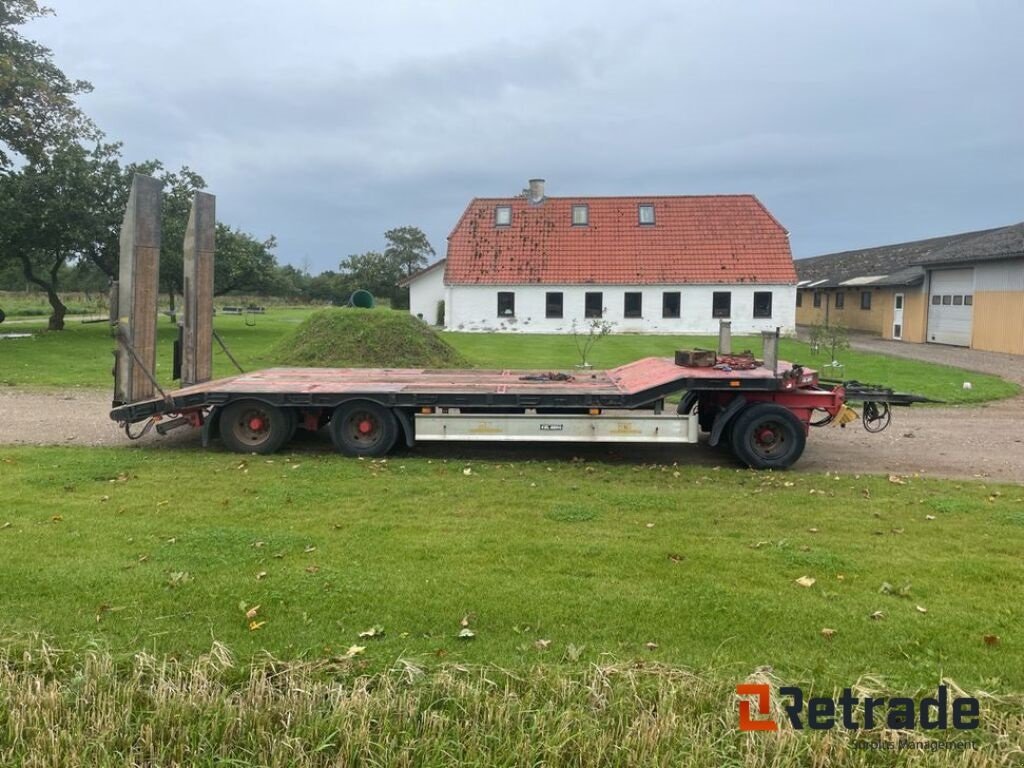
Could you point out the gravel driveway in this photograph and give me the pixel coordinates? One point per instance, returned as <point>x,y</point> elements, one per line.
<point>984,441</point>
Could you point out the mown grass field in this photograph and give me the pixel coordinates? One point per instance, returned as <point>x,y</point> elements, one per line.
<point>165,551</point>
<point>80,356</point>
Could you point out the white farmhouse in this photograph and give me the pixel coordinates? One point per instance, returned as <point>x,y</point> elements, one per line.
<point>536,264</point>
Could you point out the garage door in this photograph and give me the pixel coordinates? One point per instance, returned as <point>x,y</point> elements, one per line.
<point>950,303</point>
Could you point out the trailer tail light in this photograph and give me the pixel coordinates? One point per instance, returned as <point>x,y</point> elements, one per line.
<point>426,410</point>
<point>734,383</point>
<point>595,411</point>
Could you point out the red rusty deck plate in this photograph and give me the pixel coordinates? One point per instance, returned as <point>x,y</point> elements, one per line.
<point>629,379</point>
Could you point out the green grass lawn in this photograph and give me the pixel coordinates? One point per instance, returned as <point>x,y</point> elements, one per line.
<point>80,356</point>
<point>165,550</point>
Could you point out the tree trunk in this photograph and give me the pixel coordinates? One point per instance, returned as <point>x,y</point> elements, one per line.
<point>59,310</point>
<point>173,312</point>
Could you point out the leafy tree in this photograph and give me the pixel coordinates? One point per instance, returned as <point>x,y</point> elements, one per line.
<point>408,249</point>
<point>38,112</point>
<point>243,264</point>
<point>52,215</point>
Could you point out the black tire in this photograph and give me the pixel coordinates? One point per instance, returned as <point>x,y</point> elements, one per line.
<point>363,428</point>
<point>252,426</point>
<point>767,436</point>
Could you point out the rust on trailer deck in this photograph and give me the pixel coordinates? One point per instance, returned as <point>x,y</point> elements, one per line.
<point>654,375</point>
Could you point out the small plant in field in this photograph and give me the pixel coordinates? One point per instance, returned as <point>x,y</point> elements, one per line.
<point>585,338</point>
<point>833,337</point>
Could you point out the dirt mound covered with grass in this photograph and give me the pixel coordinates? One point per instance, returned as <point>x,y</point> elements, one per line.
<point>365,338</point>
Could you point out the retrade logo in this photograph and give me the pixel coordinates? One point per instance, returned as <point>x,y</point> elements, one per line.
<point>853,713</point>
<point>764,707</point>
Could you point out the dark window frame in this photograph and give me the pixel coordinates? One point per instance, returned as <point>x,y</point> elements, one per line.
<point>840,302</point>
<point>588,311</point>
<point>717,309</point>
<point>665,311</point>
<point>634,312</point>
<point>799,299</point>
<point>865,300</point>
<point>509,297</point>
<point>817,300</point>
<point>762,315</point>
<point>640,214</point>
<point>548,313</point>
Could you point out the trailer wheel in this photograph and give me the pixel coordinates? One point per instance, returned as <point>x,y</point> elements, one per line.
<point>252,426</point>
<point>362,428</point>
<point>767,436</point>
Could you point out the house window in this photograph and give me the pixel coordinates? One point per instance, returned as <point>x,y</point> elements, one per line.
<point>670,304</point>
<point>580,215</point>
<point>799,298</point>
<point>646,214</point>
<point>633,306</point>
<point>840,299</point>
<point>553,304</point>
<point>865,299</point>
<point>721,304</point>
<point>593,304</point>
<point>817,299</point>
<point>968,300</point>
<point>936,300</point>
<point>762,303</point>
<point>958,301</point>
<point>899,301</point>
<point>503,216</point>
<point>947,300</point>
<point>506,304</point>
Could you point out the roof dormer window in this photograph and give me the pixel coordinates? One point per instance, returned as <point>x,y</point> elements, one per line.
<point>503,216</point>
<point>580,215</point>
<point>646,214</point>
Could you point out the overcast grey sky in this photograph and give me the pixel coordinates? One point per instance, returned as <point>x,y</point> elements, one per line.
<point>326,123</point>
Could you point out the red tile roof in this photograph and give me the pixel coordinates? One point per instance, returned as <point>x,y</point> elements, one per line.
<point>695,239</point>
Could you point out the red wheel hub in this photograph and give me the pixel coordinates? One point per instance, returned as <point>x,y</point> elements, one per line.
<point>256,424</point>
<point>766,436</point>
<point>365,427</point>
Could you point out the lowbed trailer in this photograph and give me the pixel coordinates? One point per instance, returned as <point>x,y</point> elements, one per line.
<point>762,410</point>
<point>762,414</point>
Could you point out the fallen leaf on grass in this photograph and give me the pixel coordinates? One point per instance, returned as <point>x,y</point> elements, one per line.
<point>878,615</point>
<point>675,558</point>
<point>806,581</point>
<point>374,631</point>
<point>651,646</point>
<point>897,480</point>
<point>5,526</point>
<point>542,645</point>
<point>929,517</point>
<point>251,613</point>
<point>991,639</point>
<point>921,609</point>
<point>467,471</point>
<point>312,569</point>
<point>57,518</point>
<point>354,650</point>
<point>254,625</point>
<point>828,633</point>
<point>466,634</point>
<point>309,548</point>
<point>261,576</point>
<point>812,530</point>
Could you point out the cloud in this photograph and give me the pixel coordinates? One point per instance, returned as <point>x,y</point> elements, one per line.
<point>330,123</point>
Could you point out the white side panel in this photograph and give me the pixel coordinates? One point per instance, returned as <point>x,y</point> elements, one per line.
<point>425,293</point>
<point>568,428</point>
<point>950,306</point>
<point>475,308</point>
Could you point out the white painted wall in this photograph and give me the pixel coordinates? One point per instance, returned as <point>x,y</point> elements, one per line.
<point>424,293</point>
<point>475,308</point>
